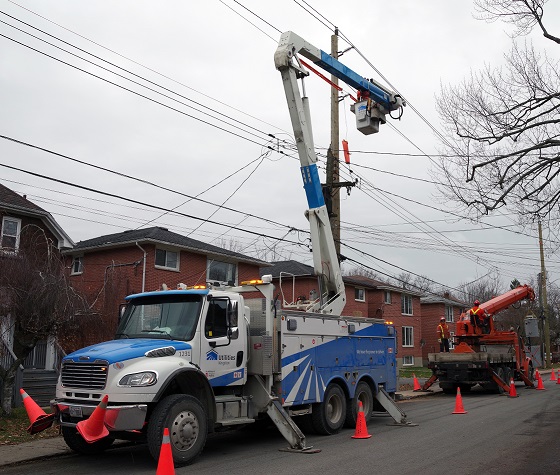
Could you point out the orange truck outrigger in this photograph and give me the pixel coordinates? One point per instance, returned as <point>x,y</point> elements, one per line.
<point>490,359</point>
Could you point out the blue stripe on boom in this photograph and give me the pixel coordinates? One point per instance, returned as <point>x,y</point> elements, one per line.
<point>312,186</point>
<point>344,73</point>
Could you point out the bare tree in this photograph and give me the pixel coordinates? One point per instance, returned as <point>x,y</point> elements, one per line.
<point>482,289</point>
<point>363,272</point>
<point>36,300</point>
<point>501,143</point>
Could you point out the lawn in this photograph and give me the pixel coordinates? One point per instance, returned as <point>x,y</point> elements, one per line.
<point>419,371</point>
<point>13,428</point>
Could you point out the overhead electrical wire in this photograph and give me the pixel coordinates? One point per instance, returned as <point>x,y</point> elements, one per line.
<point>263,20</point>
<point>220,102</point>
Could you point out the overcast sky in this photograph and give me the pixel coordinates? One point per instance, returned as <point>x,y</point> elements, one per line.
<point>192,113</point>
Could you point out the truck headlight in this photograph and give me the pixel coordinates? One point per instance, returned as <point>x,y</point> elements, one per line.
<point>147,378</point>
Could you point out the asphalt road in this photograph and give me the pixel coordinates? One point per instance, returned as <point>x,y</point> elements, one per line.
<point>498,435</point>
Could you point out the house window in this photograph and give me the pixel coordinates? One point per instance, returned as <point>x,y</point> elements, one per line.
<point>217,271</point>
<point>408,360</point>
<point>408,336</point>
<point>359,294</point>
<point>406,304</point>
<point>449,313</point>
<point>387,296</point>
<point>77,265</point>
<point>11,228</point>
<point>167,259</point>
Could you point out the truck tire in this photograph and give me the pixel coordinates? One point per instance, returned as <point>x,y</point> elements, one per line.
<point>363,393</point>
<point>78,444</point>
<point>187,422</point>
<point>494,387</point>
<point>508,374</point>
<point>328,416</point>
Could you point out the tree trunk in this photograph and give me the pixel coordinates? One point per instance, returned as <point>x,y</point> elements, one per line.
<point>8,380</point>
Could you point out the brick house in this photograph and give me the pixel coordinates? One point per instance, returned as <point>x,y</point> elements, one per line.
<point>433,308</point>
<point>23,225</point>
<point>365,297</point>
<point>108,268</point>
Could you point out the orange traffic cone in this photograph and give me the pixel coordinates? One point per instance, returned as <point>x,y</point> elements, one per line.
<point>540,385</point>
<point>165,462</point>
<point>459,409</point>
<point>417,386</point>
<point>558,379</point>
<point>93,429</point>
<point>361,425</point>
<point>553,375</point>
<point>512,391</point>
<point>537,374</point>
<point>39,419</point>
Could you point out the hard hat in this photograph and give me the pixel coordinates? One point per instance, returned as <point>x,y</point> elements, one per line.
<point>476,302</point>
<point>442,319</point>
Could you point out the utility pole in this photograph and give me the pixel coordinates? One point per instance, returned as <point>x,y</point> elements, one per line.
<point>331,190</point>
<point>545,304</point>
<point>333,156</point>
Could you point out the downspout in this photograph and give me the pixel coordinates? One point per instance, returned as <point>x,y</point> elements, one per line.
<point>143,268</point>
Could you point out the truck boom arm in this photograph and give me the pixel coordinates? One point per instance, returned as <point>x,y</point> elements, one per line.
<point>325,259</point>
<point>503,301</point>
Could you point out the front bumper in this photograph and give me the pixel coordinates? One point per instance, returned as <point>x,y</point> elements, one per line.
<point>117,418</point>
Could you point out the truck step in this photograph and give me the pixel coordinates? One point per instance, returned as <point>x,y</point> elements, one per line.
<point>232,410</point>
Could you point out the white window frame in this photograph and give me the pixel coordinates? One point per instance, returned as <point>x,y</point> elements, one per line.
<point>359,294</point>
<point>210,262</point>
<point>407,340</point>
<point>167,267</point>
<point>404,360</point>
<point>406,298</point>
<point>387,296</point>
<point>16,236</point>
<point>80,261</point>
<point>449,313</point>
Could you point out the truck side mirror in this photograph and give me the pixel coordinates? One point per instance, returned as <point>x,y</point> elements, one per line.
<point>122,308</point>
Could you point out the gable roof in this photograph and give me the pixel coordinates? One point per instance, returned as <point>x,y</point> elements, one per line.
<point>289,267</point>
<point>303,270</point>
<point>159,235</point>
<point>363,281</point>
<point>428,299</point>
<point>20,205</point>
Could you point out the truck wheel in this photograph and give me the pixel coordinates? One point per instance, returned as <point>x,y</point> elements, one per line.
<point>187,422</point>
<point>508,373</point>
<point>328,416</point>
<point>496,388</point>
<point>78,444</point>
<point>363,393</point>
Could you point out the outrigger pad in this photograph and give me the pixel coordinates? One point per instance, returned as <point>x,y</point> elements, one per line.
<point>306,450</point>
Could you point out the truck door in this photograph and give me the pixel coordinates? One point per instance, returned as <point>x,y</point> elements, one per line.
<point>223,344</point>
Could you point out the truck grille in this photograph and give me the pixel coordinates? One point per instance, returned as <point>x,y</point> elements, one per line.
<point>84,375</point>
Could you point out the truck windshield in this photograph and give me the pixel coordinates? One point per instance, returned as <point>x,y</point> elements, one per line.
<point>161,316</point>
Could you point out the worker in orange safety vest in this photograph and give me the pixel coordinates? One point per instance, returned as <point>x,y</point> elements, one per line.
<point>443,335</point>
<point>479,318</point>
